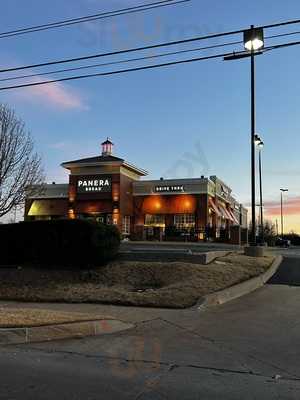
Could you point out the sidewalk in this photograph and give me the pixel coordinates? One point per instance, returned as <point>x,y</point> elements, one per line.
<point>31,322</point>
<point>124,313</point>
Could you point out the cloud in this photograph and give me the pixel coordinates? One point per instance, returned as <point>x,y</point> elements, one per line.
<point>291,207</point>
<point>55,94</point>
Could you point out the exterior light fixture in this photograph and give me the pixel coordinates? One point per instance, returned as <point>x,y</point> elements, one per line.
<point>257,140</point>
<point>254,39</point>
<point>260,144</point>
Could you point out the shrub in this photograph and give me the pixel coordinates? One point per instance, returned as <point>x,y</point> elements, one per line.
<point>59,243</point>
<point>172,231</point>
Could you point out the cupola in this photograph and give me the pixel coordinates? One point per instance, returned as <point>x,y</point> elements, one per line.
<point>107,148</point>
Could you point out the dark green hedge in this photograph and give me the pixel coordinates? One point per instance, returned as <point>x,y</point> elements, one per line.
<point>58,243</point>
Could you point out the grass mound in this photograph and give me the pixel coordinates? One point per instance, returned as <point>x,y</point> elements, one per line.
<point>155,284</point>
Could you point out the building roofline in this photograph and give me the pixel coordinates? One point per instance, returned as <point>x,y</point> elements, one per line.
<point>78,163</point>
<point>140,171</point>
<point>120,162</point>
<point>182,180</point>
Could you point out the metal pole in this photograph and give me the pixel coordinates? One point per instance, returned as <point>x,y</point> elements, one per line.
<point>253,238</point>
<point>261,198</point>
<point>281,216</point>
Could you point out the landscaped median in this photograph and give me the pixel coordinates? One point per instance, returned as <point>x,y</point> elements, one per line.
<point>155,284</point>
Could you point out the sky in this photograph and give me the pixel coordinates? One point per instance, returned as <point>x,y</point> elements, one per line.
<point>182,121</point>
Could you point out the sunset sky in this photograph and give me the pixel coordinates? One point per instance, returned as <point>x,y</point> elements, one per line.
<point>183,121</point>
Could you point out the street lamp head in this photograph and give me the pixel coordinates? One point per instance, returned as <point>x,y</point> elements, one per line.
<point>261,144</point>
<point>257,140</point>
<point>284,190</point>
<point>254,39</point>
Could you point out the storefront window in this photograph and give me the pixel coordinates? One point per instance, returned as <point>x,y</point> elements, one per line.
<point>109,219</point>
<point>155,220</point>
<point>100,219</point>
<point>184,221</point>
<point>126,225</point>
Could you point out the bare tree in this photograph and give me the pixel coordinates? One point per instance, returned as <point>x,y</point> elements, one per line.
<point>21,169</point>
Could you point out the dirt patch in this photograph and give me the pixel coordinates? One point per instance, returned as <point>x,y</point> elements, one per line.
<point>155,284</point>
<point>15,318</point>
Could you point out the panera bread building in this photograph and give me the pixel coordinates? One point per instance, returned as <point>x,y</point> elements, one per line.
<point>110,190</point>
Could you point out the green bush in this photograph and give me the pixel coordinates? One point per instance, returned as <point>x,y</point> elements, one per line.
<point>58,243</point>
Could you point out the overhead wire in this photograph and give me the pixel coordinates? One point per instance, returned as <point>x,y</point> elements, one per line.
<point>139,68</point>
<point>120,61</point>
<point>147,67</point>
<point>89,18</point>
<point>118,52</point>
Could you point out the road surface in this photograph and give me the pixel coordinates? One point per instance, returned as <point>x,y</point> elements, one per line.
<point>245,349</point>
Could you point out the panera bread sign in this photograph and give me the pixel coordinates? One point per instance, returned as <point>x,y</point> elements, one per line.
<point>94,184</point>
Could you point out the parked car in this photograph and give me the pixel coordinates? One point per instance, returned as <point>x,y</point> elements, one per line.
<point>283,242</point>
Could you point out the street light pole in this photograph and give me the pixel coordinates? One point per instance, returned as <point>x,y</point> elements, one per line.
<point>253,43</point>
<point>281,204</point>
<point>260,145</point>
<point>281,216</point>
<point>261,196</point>
<point>253,234</point>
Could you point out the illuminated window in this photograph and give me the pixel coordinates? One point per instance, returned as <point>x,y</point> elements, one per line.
<point>126,225</point>
<point>155,220</point>
<point>184,221</point>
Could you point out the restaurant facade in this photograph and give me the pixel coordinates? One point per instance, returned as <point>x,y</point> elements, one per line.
<point>110,190</point>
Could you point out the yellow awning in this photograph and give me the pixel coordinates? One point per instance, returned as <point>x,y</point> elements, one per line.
<point>49,207</point>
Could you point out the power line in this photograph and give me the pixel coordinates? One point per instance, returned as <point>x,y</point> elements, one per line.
<point>120,62</point>
<point>137,59</point>
<point>284,23</point>
<point>281,46</point>
<point>283,35</point>
<point>71,78</point>
<point>108,14</point>
<point>94,17</point>
<point>184,41</point>
<point>130,50</point>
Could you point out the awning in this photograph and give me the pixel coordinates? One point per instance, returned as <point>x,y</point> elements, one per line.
<point>43,208</point>
<point>234,217</point>
<point>225,213</point>
<point>214,207</point>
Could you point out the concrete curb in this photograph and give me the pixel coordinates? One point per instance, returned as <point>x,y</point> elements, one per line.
<point>189,256</point>
<point>233,292</point>
<point>62,331</point>
<point>207,258</point>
